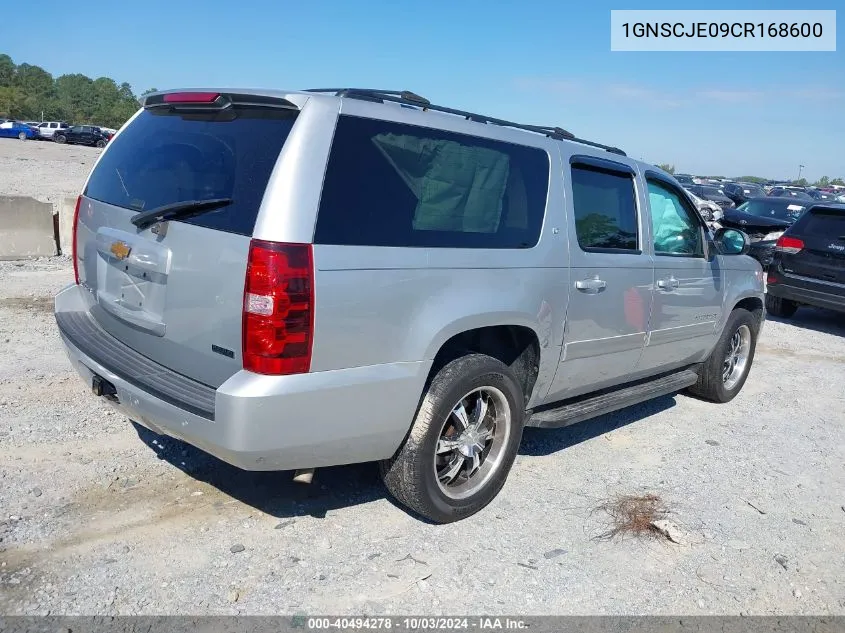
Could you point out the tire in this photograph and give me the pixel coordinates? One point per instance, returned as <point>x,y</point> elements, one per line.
<point>60,138</point>
<point>101,144</point>
<point>22,136</point>
<point>712,384</point>
<point>782,308</point>
<point>411,475</point>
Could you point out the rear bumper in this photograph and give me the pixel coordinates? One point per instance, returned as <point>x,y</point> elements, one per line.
<point>257,422</point>
<point>818,295</point>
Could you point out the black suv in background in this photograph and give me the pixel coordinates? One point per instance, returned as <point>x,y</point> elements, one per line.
<point>764,220</point>
<point>809,263</point>
<point>82,135</point>
<point>741,192</point>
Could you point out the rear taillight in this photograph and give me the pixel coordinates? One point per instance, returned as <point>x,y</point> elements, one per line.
<point>73,247</point>
<point>278,312</point>
<point>787,244</point>
<point>771,279</point>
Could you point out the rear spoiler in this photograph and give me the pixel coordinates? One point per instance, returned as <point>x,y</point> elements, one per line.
<point>211,101</point>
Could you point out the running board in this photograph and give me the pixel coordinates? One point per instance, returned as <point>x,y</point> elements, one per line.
<point>607,402</point>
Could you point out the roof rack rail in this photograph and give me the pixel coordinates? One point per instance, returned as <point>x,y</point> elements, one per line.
<point>408,98</point>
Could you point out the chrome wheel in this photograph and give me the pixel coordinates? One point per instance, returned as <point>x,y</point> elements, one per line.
<point>736,360</point>
<point>471,441</point>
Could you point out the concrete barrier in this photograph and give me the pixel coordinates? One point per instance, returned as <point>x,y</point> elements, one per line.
<point>64,210</point>
<point>27,228</point>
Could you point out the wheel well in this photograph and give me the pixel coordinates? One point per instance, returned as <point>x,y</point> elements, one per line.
<point>516,346</point>
<point>752,304</point>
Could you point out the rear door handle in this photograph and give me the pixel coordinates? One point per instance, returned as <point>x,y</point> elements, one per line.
<point>591,285</point>
<point>668,284</point>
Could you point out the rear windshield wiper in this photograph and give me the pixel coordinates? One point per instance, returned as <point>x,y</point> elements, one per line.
<point>183,209</point>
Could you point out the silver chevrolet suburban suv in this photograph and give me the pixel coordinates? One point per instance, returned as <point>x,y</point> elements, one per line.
<point>289,280</point>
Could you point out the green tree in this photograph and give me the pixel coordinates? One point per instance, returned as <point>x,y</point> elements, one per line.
<point>37,87</point>
<point>824,181</point>
<point>837,181</point>
<point>77,96</point>
<point>29,92</point>
<point>801,182</point>
<point>11,102</point>
<point>7,71</point>
<point>667,168</point>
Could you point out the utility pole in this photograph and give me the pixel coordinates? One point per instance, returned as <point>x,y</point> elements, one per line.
<point>800,167</point>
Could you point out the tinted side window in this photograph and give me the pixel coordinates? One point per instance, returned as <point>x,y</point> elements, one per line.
<point>605,209</point>
<point>391,184</point>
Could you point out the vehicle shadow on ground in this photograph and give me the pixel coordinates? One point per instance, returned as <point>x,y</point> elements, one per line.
<point>816,319</point>
<point>276,494</point>
<point>541,442</point>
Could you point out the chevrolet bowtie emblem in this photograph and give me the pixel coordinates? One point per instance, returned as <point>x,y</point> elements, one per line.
<point>120,250</point>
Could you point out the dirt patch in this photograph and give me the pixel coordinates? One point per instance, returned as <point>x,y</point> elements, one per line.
<point>35,304</point>
<point>786,352</point>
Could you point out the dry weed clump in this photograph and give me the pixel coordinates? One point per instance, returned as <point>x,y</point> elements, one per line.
<point>635,516</point>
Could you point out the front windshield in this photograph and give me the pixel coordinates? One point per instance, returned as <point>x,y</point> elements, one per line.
<point>773,209</point>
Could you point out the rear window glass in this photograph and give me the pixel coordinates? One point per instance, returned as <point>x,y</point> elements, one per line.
<point>390,184</point>
<point>820,224</point>
<point>163,158</point>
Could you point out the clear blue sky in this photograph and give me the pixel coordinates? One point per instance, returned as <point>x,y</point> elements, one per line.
<point>542,61</point>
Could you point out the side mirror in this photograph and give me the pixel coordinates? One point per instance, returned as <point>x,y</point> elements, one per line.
<point>731,242</point>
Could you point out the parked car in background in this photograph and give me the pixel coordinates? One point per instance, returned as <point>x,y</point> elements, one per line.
<point>685,179</point>
<point>809,263</point>
<point>789,192</point>
<point>46,129</point>
<point>764,220</point>
<point>713,194</point>
<point>821,196</point>
<point>17,129</point>
<point>741,192</point>
<point>227,243</point>
<point>82,135</point>
<point>709,210</point>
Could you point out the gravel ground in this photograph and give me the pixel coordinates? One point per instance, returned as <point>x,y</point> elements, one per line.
<point>44,170</point>
<point>99,517</point>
